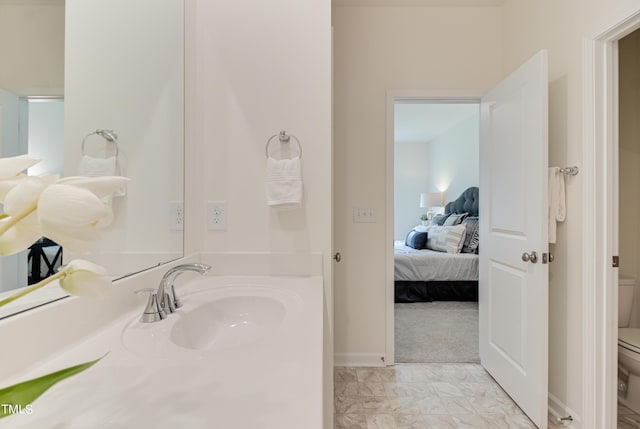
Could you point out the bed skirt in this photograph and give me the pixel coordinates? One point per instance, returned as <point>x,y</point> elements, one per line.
<point>463,290</point>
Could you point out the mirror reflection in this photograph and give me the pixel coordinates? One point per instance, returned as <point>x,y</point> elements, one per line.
<point>88,100</point>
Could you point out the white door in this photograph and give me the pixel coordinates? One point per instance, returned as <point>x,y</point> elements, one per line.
<point>513,293</point>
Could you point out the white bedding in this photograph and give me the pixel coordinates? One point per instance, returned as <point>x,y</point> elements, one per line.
<point>429,265</point>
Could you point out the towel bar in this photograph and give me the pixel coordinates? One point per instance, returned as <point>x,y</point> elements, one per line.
<point>284,137</point>
<point>570,171</point>
<point>108,135</point>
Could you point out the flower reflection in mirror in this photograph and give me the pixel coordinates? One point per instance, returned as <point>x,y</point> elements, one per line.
<point>69,211</point>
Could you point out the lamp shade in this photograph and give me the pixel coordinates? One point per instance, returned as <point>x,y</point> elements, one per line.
<point>431,199</point>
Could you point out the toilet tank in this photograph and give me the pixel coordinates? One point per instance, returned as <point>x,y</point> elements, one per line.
<point>626,289</point>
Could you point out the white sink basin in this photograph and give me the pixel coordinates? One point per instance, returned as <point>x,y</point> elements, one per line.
<point>228,322</point>
<point>214,320</point>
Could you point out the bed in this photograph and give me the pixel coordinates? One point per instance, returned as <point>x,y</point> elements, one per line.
<point>424,274</point>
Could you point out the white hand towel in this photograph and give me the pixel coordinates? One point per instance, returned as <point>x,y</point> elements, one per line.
<point>95,167</point>
<point>557,203</point>
<point>284,182</point>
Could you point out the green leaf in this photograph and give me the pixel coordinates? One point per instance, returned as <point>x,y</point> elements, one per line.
<point>26,392</point>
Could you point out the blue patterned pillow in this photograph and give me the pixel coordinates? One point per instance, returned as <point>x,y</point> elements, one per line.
<point>416,239</point>
<point>439,219</point>
<point>455,219</point>
<point>471,240</point>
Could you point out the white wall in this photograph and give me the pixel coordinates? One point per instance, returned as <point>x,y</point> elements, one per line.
<point>411,178</point>
<point>454,159</point>
<point>379,49</point>
<point>32,48</point>
<point>255,68</point>
<point>560,28</point>
<point>118,77</point>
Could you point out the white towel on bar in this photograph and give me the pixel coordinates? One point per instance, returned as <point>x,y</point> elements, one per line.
<point>557,202</point>
<point>284,182</point>
<point>96,167</point>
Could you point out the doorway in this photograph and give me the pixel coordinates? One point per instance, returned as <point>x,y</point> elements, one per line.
<point>436,160</point>
<point>512,288</point>
<point>601,225</point>
<point>405,212</point>
<point>628,212</point>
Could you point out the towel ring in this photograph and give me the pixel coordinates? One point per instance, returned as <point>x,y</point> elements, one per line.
<point>284,137</point>
<point>109,135</point>
<point>570,171</point>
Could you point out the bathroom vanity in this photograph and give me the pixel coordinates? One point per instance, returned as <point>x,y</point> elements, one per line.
<point>243,352</point>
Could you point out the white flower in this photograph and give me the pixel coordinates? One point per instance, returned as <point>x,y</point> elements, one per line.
<point>20,227</point>
<point>13,166</point>
<point>102,186</point>
<point>25,194</point>
<point>18,237</point>
<point>70,216</point>
<point>84,278</point>
<point>69,211</point>
<point>78,277</point>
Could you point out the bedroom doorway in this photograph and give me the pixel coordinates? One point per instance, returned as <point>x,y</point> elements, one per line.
<point>435,142</point>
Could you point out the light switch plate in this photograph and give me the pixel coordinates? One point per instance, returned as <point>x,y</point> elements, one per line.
<point>364,215</point>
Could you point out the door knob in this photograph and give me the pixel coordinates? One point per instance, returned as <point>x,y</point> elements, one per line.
<point>337,257</point>
<point>530,257</point>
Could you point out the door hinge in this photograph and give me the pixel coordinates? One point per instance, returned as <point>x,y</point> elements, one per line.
<point>615,262</point>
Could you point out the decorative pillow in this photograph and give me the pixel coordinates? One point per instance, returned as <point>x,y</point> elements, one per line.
<point>446,238</point>
<point>471,239</point>
<point>455,219</point>
<point>416,239</point>
<point>439,219</point>
<point>474,244</point>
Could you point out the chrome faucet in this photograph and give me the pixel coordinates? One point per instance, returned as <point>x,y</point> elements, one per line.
<point>164,301</point>
<point>168,301</point>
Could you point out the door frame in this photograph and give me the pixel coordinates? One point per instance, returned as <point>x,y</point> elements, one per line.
<point>600,220</point>
<point>430,96</point>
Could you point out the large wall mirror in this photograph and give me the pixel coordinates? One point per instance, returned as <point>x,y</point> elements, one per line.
<point>94,87</point>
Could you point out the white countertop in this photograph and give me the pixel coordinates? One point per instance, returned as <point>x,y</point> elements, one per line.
<point>275,383</point>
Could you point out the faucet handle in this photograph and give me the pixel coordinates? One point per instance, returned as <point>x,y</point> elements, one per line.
<point>152,311</point>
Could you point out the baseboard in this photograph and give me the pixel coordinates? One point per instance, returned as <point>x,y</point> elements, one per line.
<point>557,409</point>
<point>358,359</point>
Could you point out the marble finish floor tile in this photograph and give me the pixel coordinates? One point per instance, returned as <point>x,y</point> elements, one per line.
<point>627,418</point>
<point>429,396</point>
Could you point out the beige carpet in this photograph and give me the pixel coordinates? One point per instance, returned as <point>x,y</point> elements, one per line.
<point>439,331</point>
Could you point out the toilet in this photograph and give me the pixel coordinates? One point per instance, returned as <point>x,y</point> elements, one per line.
<point>628,347</point>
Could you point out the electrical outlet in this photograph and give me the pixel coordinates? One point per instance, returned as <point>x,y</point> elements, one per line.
<point>176,215</point>
<point>216,215</point>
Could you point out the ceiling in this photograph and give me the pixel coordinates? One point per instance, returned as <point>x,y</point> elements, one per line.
<point>417,122</point>
<point>444,3</point>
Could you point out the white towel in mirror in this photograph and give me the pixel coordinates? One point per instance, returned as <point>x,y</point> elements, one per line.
<point>96,167</point>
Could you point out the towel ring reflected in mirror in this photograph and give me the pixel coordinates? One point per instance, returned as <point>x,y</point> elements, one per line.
<point>284,137</point>
<point>109,135</point>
